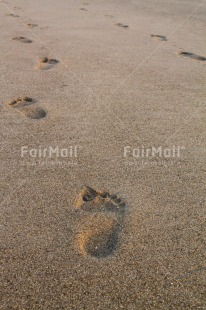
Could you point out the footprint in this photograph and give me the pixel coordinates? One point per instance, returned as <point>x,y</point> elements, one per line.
<point>193,56</point>
<point>46,63</point>
<point>110,16</point>
<point>32,25</point>
<point>122,25</point>
<point>103,217</point>
<point>22,40</point>
<point>44,28</point>
<point>159,37</point>
<point>24,106</point>
<point>13,15</point>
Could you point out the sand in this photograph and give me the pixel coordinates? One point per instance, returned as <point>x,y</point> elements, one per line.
<point>88,221</point>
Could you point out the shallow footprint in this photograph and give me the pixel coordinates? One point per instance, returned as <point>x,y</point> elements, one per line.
<point>110,16</point>
<point>44,28</point>
<point>13,15</point>
<point>159,37</point>
<point>22,40</point>
<point>32,25</point>
<point>25,106</point>
<point>193,56</point>
<point>46,63</point>
<point>122,25</point>
<point>104,214</point>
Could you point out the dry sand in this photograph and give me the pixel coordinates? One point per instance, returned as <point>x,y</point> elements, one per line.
<point>118,74</point>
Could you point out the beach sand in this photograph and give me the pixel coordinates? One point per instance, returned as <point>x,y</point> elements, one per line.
<point>92,228</point>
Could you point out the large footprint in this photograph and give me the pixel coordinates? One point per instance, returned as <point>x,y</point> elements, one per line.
<point>25,106</point>
<point>103,218</point>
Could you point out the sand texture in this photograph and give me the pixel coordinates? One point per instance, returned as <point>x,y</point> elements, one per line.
<point>89,218</point>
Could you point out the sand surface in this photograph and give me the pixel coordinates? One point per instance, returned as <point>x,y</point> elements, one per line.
<point>101,76</point>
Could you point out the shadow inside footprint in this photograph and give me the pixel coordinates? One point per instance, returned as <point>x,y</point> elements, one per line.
<point>159,37</point>
<point>46,63</point>
<point>193,56</point>
<point>25,106</point>
<point>22,40</point>
<point>104,214</point>
<point>122,25</point>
